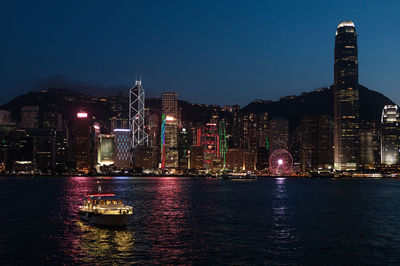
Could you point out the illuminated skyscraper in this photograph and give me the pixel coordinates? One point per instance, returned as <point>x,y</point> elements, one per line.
<point>169,131</point>
<point>81,131</point>
<point>122,147</point>
<point>390,135</point>
<point>346,98</point>
<point>136,116</point>
<point>210,143</point>
<point>106,150</point>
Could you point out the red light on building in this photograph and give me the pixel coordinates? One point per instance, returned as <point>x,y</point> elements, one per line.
<point>82,115</point>
<point>198,143</point>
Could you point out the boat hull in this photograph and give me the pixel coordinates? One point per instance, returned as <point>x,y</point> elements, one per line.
<point>105,219</point>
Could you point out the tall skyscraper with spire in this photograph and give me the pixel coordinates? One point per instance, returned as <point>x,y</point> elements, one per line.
<point>136,116</point>
<point>346,98</point>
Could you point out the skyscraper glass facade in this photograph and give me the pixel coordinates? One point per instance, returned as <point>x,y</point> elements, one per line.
<point>346,98</point>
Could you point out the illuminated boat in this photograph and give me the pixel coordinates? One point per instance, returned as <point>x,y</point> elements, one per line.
<point>105,209</point>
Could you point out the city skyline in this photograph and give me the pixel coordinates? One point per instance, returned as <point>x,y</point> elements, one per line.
<point>264,49</point>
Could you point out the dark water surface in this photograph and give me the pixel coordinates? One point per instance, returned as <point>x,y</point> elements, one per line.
<point>203,221</point>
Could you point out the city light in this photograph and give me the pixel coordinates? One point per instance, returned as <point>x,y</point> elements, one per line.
<point>82,115</point>
<point>280,161</point>
<point>121,130</point>
<point>169,118</point>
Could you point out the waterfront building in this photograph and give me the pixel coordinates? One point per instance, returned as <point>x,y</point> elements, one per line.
<point>234,160</point>
<point>390,143</point>
<point>137,116</point>
<point>316,141</point>
<point>366,149</point>
<point>240,160</point>
<point>30,117</point>
<point>373,127</point>
<point>170,122</point>
<point>122,147</point>
<point>82,143</point>
<point>250,160</point>
<point>61,150</point>
<point>184,142</point>
<point>249,127</point>
<point>106,150</point>
<point>346,98</point>
<point>145,159</point>
<point>44,147</point>
<point>196,158</point>
<point>20,152</point>
<point>210,143</point>
<point>154,130</point>
<point>262,158</point>
<point>235,130</point>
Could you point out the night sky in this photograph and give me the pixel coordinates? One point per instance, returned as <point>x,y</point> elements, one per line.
<point>213,52</point>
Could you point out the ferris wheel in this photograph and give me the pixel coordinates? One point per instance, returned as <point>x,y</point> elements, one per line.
<point>280,162</point>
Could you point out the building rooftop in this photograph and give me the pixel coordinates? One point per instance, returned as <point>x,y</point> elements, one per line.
<point>346,23</point>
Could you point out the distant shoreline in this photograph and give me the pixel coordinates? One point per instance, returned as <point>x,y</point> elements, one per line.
<point>214,177</point>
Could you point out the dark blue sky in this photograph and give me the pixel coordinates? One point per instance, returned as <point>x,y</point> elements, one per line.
<point>214,52</point>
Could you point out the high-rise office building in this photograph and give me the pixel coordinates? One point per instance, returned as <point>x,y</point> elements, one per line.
<point>44,148</point>
<point>136,116</point>
<point>52,120</point>
<point>390,134</point>
<point>316,142</point>
<point>366,148</point>
<point>278,134</point>
<point>170,121</point>
<point>82,144</point>
<point>122,147</point>
<point>106,150</point>
<point>30,117</point>
<point>184,142</point>
<point>119,122</point>
<point>346,98</point>
<point>61,150</point>
<point>210,142</point>
<point>154,130</point>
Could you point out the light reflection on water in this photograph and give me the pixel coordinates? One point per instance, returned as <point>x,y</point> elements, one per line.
<point>104,244</point>
<point>284,238</point>
<point>202,221</point>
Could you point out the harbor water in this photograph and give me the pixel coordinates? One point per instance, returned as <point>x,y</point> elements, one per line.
<point>203,221</point>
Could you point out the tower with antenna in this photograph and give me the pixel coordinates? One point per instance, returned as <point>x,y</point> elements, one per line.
<point>136,115</point>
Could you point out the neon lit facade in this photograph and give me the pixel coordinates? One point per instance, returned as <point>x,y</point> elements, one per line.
<point>136,116</point>
<point>390,143</point>
<point>210,143</point>
<point>122,148</point>
<point>346,98</point>
<point>163,121</point>
<point>223,148</point>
